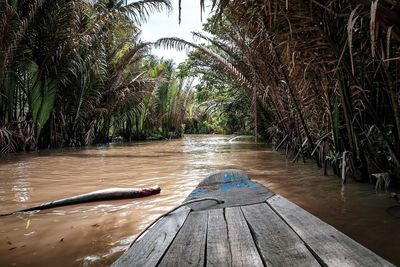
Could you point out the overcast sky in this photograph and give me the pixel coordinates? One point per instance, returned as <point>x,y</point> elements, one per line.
<point>161,25</point>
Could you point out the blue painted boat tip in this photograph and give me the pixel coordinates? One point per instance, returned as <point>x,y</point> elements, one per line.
<point>228,177</point>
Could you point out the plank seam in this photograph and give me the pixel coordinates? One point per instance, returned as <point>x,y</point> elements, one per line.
<point>273,194</point>
<point>173,239</point>
<point>228,237</point>
<point>318,259</point>
<point>205,243</point>
<point>252,232</point>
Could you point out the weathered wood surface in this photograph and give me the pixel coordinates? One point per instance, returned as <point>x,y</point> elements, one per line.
<point>188,248</point>
<point>149,249</point>
<point>333,248</point>
<point>231,186</point>
<point>218,249</point>
<point>278,244</point>
<point>242,247</point>
<point>244,232</point>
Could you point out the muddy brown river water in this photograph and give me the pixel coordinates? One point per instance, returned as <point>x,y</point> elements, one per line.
<point>95,234</point>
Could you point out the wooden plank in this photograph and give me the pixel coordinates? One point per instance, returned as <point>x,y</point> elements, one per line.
<point>332,247</point>
<point>188,248</point>
<point>276,241</point>
<point>218,249</point>
<point>243,250</point>
<point>149,249</point>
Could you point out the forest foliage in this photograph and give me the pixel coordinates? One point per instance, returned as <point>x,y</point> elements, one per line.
<point>74,73</point>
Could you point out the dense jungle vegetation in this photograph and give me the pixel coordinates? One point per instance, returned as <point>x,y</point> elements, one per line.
<point>319,79</point>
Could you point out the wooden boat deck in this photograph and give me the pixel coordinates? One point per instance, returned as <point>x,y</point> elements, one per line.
<point>253,227</point>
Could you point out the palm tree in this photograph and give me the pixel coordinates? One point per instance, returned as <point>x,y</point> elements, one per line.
<point>66,66</point>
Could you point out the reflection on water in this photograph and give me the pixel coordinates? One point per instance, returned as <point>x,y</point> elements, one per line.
<point>95,234</point>
<point>21,185</point>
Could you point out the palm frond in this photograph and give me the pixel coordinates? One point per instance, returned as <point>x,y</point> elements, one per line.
<point>181,44</point>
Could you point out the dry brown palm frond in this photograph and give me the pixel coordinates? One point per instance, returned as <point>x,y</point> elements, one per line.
<point>388,37</point>
<point>373,27</point>
<point>7,142</point>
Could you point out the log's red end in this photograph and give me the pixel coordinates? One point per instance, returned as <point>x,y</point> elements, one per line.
<point>151,191</point>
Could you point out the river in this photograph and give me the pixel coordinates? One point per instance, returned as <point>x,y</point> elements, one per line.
<point>96,234</point>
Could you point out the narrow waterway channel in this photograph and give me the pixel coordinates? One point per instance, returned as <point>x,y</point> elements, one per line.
<point>95,234</point>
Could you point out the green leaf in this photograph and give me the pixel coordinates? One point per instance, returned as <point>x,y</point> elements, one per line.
<point>43,96</point>
<point>49,95</point>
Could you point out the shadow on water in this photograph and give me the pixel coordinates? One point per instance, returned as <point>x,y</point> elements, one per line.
<point>95,234</point>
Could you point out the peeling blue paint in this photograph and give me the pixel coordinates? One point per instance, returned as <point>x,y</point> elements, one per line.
<point>230,182</point>
<point>241,184</point>
<point>228,177</point>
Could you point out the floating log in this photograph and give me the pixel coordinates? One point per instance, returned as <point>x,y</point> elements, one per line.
<point>100,195</point>
<point>252,226</point>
